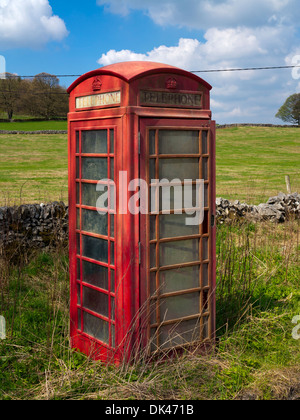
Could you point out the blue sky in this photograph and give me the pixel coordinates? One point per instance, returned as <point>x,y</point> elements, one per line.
<point>73,37</point>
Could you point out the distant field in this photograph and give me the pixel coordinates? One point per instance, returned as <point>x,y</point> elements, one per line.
<point>251,164</point>
<point>34,125</point>
<point>34,168</point>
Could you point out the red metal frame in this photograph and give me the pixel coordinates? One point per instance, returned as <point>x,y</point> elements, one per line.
<point>129,121</point>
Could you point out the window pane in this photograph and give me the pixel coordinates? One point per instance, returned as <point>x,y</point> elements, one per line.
<point>90,195</point>
<point>95,301</point>
<point>173,225</point>
<point>112,141</point>
<point>205,276</point>
<point>205,249</point>
<point>112,281</point>
<point>180,306</point>
<point>96,327</point>
<point>180,279</point>
<point>94,168</point>
<point>153,255</point>
<point>112,253</point>
<point>77,142</point>
<point>112,169</point>
<point>179,334</point>
<point>205,169</point>
<point>77,168</point>
<point>94,141</point>
<point>94,222</point>
<point>94,248</point>
<point>94,274</point>
<point>112,225</point>
<point>179,252</point>
<point>204,143</point>
<point>178,142</point>
<point>152,142</point>
<point>77,193</point>
<point>179,169</point>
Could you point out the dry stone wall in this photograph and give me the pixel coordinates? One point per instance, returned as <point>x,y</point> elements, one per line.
<point>40,226</point>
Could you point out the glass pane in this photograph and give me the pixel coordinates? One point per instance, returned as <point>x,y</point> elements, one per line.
<point>78,219</point>
<point>77,142</point>
<point>94,274</point>
<point>112,253</point>
<point>112,226</point>
<point>90,195</point>
<point>152,142</point>
<point>179,334</point>
<point>206,193</point>
<point>178,142</point>
<point>78,273</point>
<point>180,279</point>
<point>171,197</point>
<point>78,243</point>
<point>112,281</point>
<point>94,248</point>
<point>96,327</point>
<point>112,169</point>
<point>182,169</point>
<point>77,193</point>
<point>113,340</point>
<point>205,169</point>
<point>153,255</point>
<point>205,276</point>
<point>78,295</point>
<point>180,306</point>
<point>77,168</point>
<point>174,225</point>
<point>205,330</point>
<point>94,168</point>
<point>94,222</point>
<point>79,318</point>
<point>95,301</point>
<point>112,141</point>
<point>179,252</point>
<point>152,163</point>
<point>205,249</point>
<point>152,228</point>
<point>112,303</point>
<point>94,141</point>
<point>153,283</point>
<point>204,143</point>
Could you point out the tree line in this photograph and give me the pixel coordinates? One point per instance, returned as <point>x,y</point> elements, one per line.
<point>41,96</point>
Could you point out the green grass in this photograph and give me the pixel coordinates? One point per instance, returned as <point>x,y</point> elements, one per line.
<point>34,126</point>
<point>252,163</point>
<point>255,355</point>
<point>34,168</point>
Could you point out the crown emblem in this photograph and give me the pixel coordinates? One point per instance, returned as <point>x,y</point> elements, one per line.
<point>171,83</point>
<point>97,84</point>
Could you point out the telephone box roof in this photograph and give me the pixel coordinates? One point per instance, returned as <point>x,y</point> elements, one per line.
<point>132,70</point>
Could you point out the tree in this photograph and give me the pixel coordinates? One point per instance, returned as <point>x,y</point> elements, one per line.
<point>290,110</point>
<point>46,97</point>
<point>10,92</point>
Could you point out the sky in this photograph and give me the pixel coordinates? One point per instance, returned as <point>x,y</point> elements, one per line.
<point>74,37</point>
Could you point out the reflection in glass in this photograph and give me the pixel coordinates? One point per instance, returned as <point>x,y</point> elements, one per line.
<point>96,327</point>
<point>173,225</point>
<point>179,252</point>
<point>95,275</point>
<point>95,301</point>
<point>177,307</point>
<point>94,222</point>
<point>176,142</point>
<point>180,279</point>
<point>95,248</point>
<point>94,141</point>
<point>94,168</point>
<point>180,168</point>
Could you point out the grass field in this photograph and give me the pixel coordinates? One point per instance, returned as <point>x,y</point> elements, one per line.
<point>34,125</point>
<point>256,355</point>
<point>251,164</point>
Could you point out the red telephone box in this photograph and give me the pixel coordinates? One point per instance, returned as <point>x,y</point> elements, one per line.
<point>142,274</point>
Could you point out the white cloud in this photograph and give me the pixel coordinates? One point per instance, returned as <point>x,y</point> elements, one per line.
<point>202,14</point>
<point>246,96</point>
<point>29,23</point>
